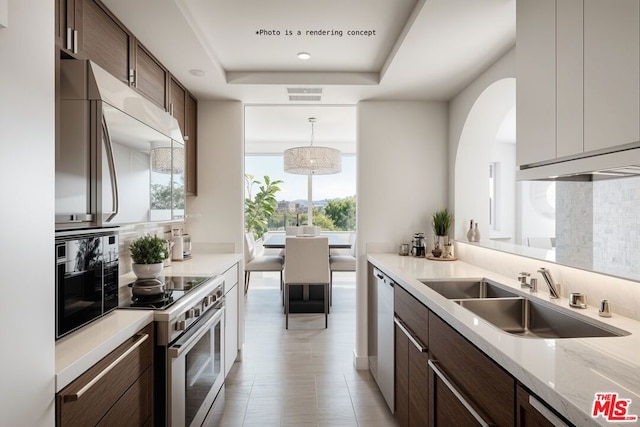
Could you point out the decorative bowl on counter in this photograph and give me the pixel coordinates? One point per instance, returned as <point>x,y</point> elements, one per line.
<point>147,271</point>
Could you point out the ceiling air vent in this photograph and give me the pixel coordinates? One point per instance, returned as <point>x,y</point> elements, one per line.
<point>306,90</point>
<point>305,97</point>
<point>304,93</point>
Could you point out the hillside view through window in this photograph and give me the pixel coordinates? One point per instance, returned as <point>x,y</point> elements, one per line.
<point>333,195</point>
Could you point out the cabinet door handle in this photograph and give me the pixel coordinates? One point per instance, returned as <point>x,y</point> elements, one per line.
<point>545,412</point>
<point>414,340</point>
<point>69,43</point>
<point>137,343</point>
<point>75,41</point>
<point>473,411</point>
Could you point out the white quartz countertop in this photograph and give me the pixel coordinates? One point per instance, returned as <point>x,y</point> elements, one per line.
<point>566,373</point>
<point>81,349</point>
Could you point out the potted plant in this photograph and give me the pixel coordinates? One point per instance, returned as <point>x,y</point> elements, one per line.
<point>441,222</point>
<point>148,254</point>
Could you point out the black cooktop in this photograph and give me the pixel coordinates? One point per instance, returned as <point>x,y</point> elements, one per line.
<point>175,287</point>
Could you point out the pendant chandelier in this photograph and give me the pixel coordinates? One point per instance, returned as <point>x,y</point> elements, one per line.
<point>312,159</point>
<point>166,160</point>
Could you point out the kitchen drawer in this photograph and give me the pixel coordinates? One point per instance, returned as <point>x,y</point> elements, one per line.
<point>91,396</point>
<point>474,374</point>
<point>135,407</point>
<point>412,312</point>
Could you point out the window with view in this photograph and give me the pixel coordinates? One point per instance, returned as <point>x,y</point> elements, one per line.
<point>334,201</point>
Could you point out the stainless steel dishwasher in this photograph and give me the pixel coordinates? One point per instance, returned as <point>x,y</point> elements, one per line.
<point>384,372</point>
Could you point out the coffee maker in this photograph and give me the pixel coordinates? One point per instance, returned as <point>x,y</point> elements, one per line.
<point>418,247</point>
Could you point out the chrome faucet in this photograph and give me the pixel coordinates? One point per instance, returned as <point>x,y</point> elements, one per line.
<point>554,289</point>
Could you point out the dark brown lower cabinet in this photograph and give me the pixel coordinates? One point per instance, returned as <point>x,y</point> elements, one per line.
<point>477,379</point>
<point>442,379</point>
<point>116,391</point>
<point>449,407</point>
<point>528,415</point>
<point>411,381</point>
<point>411,386</point>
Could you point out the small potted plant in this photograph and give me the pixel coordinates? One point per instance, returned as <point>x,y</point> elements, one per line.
<point>441,222</point>
<point>148,254</point>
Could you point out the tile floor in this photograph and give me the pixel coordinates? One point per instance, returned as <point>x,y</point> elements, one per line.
<point>303,376</point>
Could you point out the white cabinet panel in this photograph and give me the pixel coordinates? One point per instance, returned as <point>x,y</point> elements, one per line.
<point>536,81</point>
<point>611,73</point>
<point>569,78</point>
<point>231,328</point>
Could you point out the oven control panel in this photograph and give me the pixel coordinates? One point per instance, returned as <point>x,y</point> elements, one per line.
<point>188,316</point>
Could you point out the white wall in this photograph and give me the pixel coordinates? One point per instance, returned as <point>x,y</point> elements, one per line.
<point>401,181</point>
<point>459,108</point>
<point>215,216</point>
<point>27,214</point>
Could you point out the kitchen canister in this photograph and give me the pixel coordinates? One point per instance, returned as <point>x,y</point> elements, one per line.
<point>403,249</point>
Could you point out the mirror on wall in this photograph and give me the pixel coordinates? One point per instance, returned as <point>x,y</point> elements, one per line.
<point>592,225</point>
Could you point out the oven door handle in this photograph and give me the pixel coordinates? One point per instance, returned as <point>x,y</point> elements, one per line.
<point>189,339</point>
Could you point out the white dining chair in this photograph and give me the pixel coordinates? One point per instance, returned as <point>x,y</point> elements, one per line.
<point>309,230</point>
<point>258,262</point>
<point>307,265</point>
<point>342,262</point>
<point>292,230</point>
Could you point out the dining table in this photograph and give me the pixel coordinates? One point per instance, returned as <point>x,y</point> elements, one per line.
<point>277,241</point>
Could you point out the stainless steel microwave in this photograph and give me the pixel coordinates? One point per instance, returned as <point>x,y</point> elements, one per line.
<point>86,278</point>
<point>119,157</point>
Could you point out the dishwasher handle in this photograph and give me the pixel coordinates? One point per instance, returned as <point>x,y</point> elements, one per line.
<point>381,276</point>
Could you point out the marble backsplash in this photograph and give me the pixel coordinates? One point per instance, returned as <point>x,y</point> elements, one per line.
<point>623,295</point>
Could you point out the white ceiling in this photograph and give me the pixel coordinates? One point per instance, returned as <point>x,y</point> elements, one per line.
<point>421,50</point>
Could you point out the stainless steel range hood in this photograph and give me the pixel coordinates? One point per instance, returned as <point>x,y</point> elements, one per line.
<point>85,80</point>
<point>622,162</point>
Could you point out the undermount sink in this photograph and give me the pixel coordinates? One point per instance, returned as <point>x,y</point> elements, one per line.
<point>468,288</point>
<point>528,318</point>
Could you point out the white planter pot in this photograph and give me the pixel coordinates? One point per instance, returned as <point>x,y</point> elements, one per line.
<point>147,271</point>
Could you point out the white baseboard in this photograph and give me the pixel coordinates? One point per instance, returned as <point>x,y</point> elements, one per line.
<point>361,363</point>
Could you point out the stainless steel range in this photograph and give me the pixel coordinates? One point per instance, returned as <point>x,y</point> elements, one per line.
<point>189,356</point>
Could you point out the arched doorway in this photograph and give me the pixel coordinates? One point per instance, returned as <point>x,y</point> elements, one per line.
<point>487,146</point>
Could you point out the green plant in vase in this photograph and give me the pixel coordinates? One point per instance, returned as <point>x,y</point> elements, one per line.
<point>148,254</point>
<point>441,223</point>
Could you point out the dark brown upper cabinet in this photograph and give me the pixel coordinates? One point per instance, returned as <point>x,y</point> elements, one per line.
<point>177,103</point>
<point>96,34</point>
<point>150,77</point>
<point>191,146</point>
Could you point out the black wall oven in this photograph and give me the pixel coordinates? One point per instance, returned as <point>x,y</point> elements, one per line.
<point>86,278</point>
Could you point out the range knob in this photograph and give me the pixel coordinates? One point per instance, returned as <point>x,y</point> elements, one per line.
<point>181,325</point>
<point>196,312</point>
<point>190,313</point>
<point>208,300</point>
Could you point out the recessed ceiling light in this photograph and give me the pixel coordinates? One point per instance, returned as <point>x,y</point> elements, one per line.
<point>304,55</point>
<point>197,72</point>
